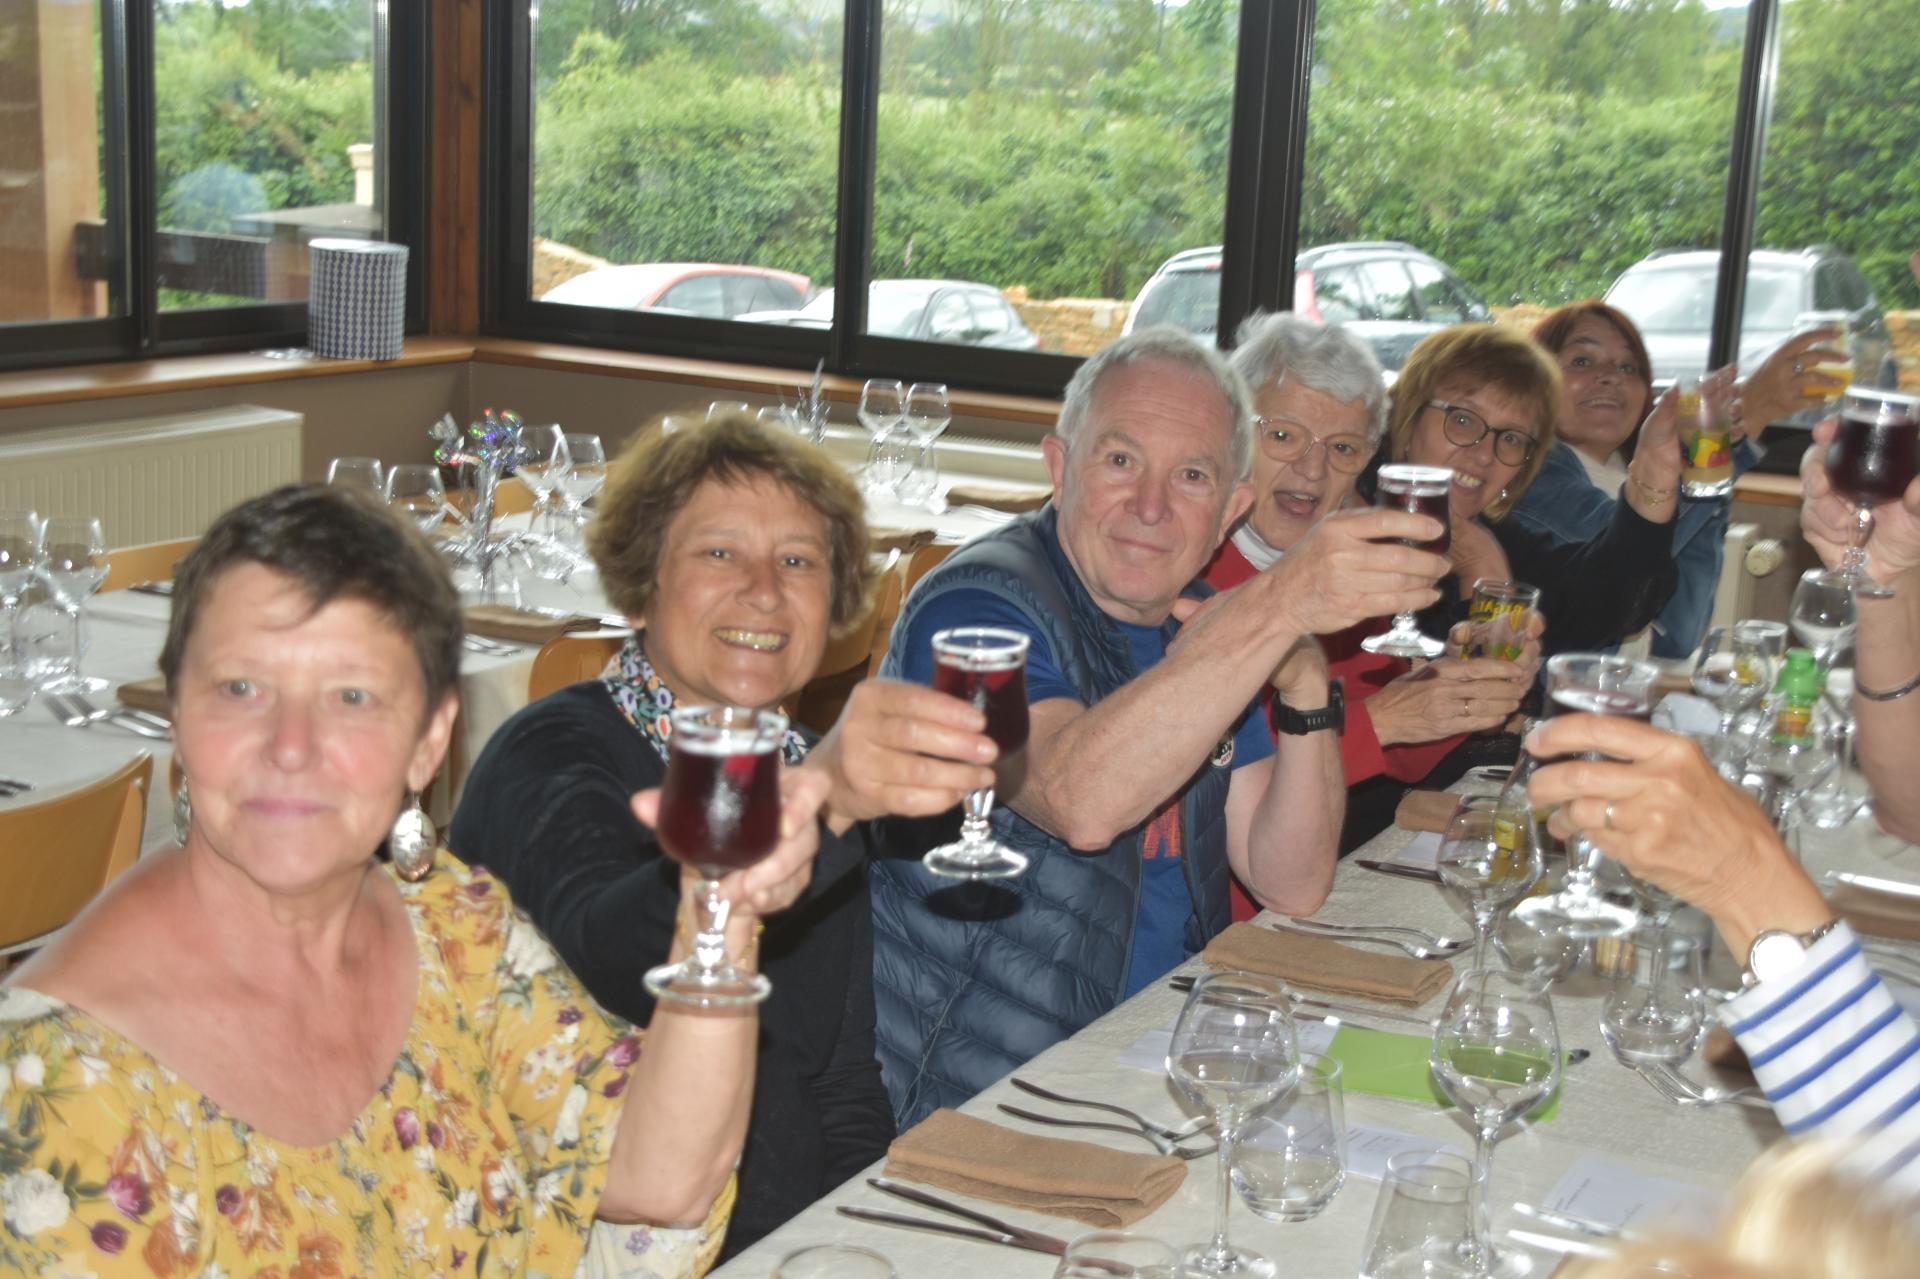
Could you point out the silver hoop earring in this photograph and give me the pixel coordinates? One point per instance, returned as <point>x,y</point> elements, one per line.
<point>411,842</point>
<point>1503,495</point>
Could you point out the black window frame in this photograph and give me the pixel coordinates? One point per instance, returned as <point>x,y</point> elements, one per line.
<point>139,330</point>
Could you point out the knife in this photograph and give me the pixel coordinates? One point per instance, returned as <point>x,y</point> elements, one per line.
<point>999,1231</point>
<point>1327,1010</point>
<point>1424,873</point>
<point>885,1218</point>
<point>1898,887</point>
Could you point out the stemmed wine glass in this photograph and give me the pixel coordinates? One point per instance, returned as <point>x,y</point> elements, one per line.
<point>719,812</point>
<point>883,405</point>
<point>1601,684</point>
<point>1233,1053</point>
<point>1496,1054</point>
<point>987,667</point>
<point>1871,461</point>
<point>927,415</point>
<point>1822,616</point>
<point>73,564</point>
<point>1116,1254</point>
<point>19,552</point>
<point>416,490</point>
<point>544,462</point>
<point>1735,666</point>
<point>1421,490</point>
<point>364,473</point>
<point>1490,871</point>
<point>586,472</point>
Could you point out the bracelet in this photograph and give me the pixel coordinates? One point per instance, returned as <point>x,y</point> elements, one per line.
<point>1647,490</point>
<point>1891,695</point>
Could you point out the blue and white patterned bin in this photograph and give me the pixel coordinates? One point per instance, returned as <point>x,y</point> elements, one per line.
<point>356,299</point>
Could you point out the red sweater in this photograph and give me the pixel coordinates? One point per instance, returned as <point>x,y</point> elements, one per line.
<point>1362,674</point>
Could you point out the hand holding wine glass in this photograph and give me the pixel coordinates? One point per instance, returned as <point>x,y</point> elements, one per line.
<point>1871,463</point>
<point>986,667</point>
<point>1421,490</point>
<point>1827,519</point>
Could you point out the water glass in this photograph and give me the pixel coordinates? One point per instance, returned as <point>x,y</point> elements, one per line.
<point>1653,1014</point>
<point>44,638</point>
<point>1292,1159</point>
<point>883,405</point>
<point>1423,1220</point>
<point>833,1261</point>
<point>1118,1254</point>
<point>72,565</point>
<point>1498,616</point>
<point>1822,616</point>
<point>1490,862</point>
<point>16,686</point>
<point>919,483</point>
<point>415,490</point>
<point>363,473</point>
<point>585,475</point>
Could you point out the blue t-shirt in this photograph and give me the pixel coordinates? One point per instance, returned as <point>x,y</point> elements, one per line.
<point>1159,931</point>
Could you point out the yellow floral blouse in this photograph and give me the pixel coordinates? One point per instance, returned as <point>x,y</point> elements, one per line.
<point>483,1154</point>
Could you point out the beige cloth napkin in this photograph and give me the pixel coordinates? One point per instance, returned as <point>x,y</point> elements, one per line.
<point>1868,910</point>
<point>145,695</point>
<point>501,622</point>
<point>1076,1179</point>
<point>1015,501</point>
<point>1319,963</point>
<point>1426,810</point>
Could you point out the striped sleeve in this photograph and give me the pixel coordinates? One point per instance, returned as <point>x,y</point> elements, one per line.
<point>1838,1057</point>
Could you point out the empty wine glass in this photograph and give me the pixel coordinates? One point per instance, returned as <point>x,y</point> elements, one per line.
<point>1871,461</point>
<point>883,405</point>
<point>19,552</point>
<point>416,490</point>
<point>1491,863</point>
<point>363,473</point>
<point>1233,1054</point>
<point>586,473</point>
<point>986,667</point>
<point>719,812</point>
<point>1420,490</point>
<point>726,408</point>
<point>1735,666</point>
<point>1822,616</point>
<point>72,563</point>
<point>1422,1224</point>
<point>1496,1054</point>
<point>917,463</point>
<point>1653,1014</point>
<point>1117,1254</point>
<point>543,462</point>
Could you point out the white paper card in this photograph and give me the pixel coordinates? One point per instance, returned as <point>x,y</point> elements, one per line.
<point>1422,850</point>
<point>1614,1194</point>
<point>1368,1149</point>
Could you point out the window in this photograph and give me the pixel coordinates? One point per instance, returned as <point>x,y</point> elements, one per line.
<point>270,126</point>
<point>1439,302</point>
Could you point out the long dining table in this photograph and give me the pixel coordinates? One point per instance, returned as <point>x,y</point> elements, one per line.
<point>1616,1152</point>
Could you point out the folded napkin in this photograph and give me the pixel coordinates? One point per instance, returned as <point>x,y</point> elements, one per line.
<point>146,695</point>
<point>1319,963</point>
<point>1076,1179</point>
<point>1870,911</point>
<point>1426,810</point>
<point>904,540</point>
<point>502,622</point>
<point>1017,501</point>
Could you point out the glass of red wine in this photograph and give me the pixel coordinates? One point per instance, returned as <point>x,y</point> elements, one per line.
<point>1871,461</point>
<point>1596,684</point>
<point>1421,490</point>
<point>986,666</point>
<point>719,812</point>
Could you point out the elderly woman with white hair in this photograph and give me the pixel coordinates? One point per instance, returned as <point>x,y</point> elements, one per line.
<point>1319,411</point>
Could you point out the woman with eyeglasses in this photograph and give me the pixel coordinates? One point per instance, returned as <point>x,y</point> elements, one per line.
<point>1319,411</point>
<point>1485,401</point>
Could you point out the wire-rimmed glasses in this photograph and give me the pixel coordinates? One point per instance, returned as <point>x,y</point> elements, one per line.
<point>72,563</point>
<point>986,667</point>
<point>1234,1053</point>
<point>1871,461</point>
<point>1464,428</point>
<point>1420,490</point>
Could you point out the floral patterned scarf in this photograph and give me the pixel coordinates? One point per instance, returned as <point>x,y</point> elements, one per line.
<point>644,698</point>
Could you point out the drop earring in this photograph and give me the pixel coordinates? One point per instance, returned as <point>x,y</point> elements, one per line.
<point>411,842</point>
<point>182,812</point>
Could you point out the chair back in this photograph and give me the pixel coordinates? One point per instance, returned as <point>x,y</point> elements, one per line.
<point>569,659</point>
<point>153,562</point>
<point>57,854</point>
<point>855,653</point>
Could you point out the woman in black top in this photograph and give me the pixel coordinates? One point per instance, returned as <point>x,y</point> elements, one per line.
<point>735,551</point>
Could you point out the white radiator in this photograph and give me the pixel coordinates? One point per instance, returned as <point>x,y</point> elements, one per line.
<point>156,478</point>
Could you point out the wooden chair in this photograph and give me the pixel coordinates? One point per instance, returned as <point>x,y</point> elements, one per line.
<point>513,497</point>
<point>57,854</point>
<point>570,659</point>
<point>854,654</point>
<point>153,562</point>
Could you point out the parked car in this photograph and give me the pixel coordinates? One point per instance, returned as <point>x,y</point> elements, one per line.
<point>957,311</point>
<point>1670,296</point>
<point>713,290</point>
<point>1389,293</point>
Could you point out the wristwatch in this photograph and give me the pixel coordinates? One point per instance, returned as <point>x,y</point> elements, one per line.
<point>1777,952</point>
<point>1299,723</point>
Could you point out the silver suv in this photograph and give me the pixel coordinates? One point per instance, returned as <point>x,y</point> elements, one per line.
<point>1670,296</point>
<point>1390,294</point>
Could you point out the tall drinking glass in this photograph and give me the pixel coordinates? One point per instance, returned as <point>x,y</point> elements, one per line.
<point>1601,684</point>
<point>1233,1054</point>
<point>1117,1254</point>
<point>1498,616</point>
<point>19,552</point>
<point>719,812</point>
<point>1421,490</point>
<point>1653,1015</point>
<point>986,667</point>
<point>1496,1054</point>
<point>73,564</point>
<point>1490,873</point>
<point>1423,1220</point>
<point>1292,1160</point>
<point>1870,462</point>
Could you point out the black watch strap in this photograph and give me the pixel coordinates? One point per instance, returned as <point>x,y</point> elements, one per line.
<point>1299,723</point>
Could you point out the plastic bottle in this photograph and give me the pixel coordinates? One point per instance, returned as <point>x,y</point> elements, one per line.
<point>1795,696</point>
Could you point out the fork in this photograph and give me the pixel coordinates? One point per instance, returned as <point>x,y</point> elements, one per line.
<point>148,718</point>
<point>76,713</point>
<point>1420,935</point>
<point>1186,1130</point>
<point>11,786</point>
<point>489,647</point>
<point>1158,1142</point>
<point>1681,1091</point>
<point>1446,949</point>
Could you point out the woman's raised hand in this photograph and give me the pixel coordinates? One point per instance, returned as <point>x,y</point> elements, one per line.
<point>776,880</point>
<point>902,750</point>
<point>1787,381</point>
<point>1826,518</point>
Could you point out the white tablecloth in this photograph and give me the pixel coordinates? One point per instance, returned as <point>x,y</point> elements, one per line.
<point>1605,1109</point>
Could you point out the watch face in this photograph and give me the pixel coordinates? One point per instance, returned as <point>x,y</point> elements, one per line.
<point>1774,955</point>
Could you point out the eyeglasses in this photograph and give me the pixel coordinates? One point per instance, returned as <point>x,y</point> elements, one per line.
<point>1464,428</point>
<point>1285,440</point>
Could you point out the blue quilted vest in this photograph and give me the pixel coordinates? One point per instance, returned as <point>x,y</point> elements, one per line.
<point>972,980</point>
